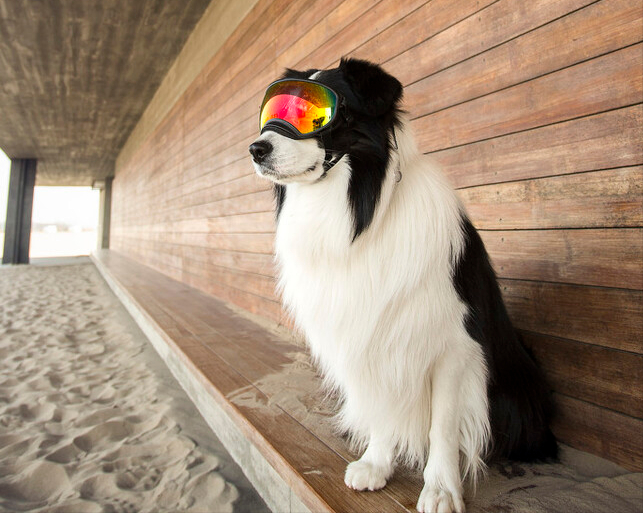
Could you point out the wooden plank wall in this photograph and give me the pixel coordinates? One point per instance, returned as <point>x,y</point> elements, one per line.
<point>533,107</point>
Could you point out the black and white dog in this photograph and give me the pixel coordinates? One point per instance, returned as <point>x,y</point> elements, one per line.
<point>382,270</point>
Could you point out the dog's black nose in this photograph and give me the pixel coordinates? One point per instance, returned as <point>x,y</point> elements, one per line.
<point>260,150</point>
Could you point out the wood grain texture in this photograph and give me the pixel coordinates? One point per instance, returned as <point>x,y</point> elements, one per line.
<point>597,430</point>
<point>611,318</point>
<point>610,198</point>
<point>596,29</point>
<point>491,26</point>
<point>229,355</point>
<point>601,141</point>
<point>607,82</point>
<point>418,27</point>
<point>598,375</point>
<point>533,109</point>
<point>601,257</point>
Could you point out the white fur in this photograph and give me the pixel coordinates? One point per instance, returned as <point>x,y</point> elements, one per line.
<point>383,319</point>
<point>292,160</point>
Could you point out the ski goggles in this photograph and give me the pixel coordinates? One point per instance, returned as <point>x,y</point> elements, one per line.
<point>299,108</point>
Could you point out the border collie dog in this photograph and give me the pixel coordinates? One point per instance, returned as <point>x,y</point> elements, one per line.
<point>382,270</point>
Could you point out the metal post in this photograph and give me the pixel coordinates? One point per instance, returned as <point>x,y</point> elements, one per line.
<point>19,208</point>
<point>106,213</point>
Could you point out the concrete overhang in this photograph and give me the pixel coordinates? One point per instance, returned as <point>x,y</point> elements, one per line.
<point>76,76</point>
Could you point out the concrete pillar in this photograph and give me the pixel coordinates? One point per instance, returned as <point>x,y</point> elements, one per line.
<point>105,213</point>
<point>19,208</point>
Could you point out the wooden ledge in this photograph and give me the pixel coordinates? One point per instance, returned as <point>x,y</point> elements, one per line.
<point>256,391</point>
<point>260,395</point>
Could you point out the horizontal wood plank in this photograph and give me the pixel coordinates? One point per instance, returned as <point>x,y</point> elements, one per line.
<point>610,198</point>
<point>610,318</point>
<point>602,257</point>
<point>238,242</point>
<point>597,29</point>
<point>257,284</point>
<point>419,26</point>
<point>590,428</point>
<point>378,18</point>
<point>608,82</point>
<point>247,300</point>
<point>601,141</point>
<point>256,263</point>
<point>259,222</point>
<point>248,204</point>
<point>497,23</point>
<point>226,76</point>
<point>248,184</point>
<point>606,377</point>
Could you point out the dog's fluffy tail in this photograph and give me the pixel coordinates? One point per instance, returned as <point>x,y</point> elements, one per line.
<point>520,408</point>
<point>519,400</point>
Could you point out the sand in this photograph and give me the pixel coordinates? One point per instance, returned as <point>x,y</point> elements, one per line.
<point>90,420</point>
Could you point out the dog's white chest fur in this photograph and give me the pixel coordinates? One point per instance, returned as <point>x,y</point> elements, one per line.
<point>378,311</point>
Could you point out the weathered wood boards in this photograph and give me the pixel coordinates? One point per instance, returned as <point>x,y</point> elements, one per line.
<point>229,356</point>
<point>534,109</point>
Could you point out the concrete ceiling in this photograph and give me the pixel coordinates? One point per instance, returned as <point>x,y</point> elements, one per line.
<point>76,75</point>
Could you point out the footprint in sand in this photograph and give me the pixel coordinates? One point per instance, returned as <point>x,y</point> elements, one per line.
<point>64,415</point>
<point>77,506</point>
<point>35,482</point>
<point>98,487</point>
<point>49,441</point>
<point>103,394</point>
<point>62,450</point>
<point>99,417</point>
<point>103,489</point>
<point>38,412</point>
<point>15,450</point>
<point>210,492</point>
<point>101,436</point>
<point>65,454</point>
<point>139,479</point>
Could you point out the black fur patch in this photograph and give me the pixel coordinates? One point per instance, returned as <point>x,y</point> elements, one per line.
<point>519,399</point>
<point>377,91</point>
<point>280,196</point>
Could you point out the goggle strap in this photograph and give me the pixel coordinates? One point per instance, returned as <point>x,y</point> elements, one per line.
<point>331,158</point>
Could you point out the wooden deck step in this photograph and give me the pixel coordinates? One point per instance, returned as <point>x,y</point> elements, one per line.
<point>259,394</point>
<point>256,391</point>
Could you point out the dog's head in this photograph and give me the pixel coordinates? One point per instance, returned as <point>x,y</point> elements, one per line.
<point>367,112</point>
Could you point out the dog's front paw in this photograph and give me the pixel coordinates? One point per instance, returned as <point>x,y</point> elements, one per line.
<point>362,475</point>
<point>438,500</point>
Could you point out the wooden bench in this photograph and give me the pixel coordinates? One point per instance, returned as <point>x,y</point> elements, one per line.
<point>261,397</point>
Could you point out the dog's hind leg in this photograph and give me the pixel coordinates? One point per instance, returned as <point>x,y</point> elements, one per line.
<point>373,469</point>
<point>453,382</point>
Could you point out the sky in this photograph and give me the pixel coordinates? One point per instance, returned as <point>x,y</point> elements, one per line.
<point>75,206</point>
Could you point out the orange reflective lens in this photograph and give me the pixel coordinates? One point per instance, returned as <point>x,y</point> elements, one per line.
<point>306,106</point>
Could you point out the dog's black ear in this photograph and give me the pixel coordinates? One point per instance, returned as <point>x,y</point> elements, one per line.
<point>377,91</point>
